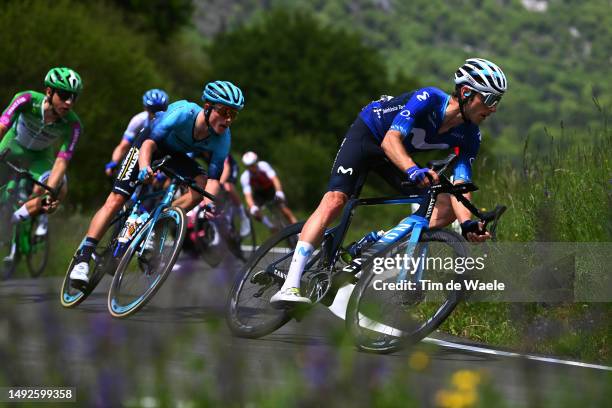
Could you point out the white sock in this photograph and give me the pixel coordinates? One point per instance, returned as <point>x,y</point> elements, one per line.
<point>266,221</point>
<point>302,253</point>
<point>20,215</point>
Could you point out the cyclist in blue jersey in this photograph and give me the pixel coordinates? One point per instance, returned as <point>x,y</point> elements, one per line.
<point>185,127</point>
<point>385,135</point>
<point>154,100</point>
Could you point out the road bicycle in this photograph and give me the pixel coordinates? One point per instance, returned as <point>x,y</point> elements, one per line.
<point>211,232</point>
<point>327,273</point>
<point>155,242</point>
<point>152,251</point>
<point>26,239</point>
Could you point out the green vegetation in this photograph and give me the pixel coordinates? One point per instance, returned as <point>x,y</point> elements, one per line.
<point>555,60</point>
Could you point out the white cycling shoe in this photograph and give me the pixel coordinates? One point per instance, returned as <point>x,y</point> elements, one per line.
<point>288,297</point>
<point>43,225</point>
<point>79,273</point>
<point>245,227</point>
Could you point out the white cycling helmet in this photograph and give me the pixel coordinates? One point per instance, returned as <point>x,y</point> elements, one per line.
<point>481,75</point>
<point>249,158</point>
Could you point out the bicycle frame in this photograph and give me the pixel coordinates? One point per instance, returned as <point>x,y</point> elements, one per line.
<point>166,201</point>
<point>413,224</point>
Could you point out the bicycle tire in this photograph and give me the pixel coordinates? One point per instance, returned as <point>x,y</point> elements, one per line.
<point>38,244</point>
<point>239,322</point>
<point>211,254</point>
<point>368,326</point>
<point>118,292</point>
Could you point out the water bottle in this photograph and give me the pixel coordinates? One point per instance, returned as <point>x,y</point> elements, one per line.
<point>354,250</point>
<point>129,229</point>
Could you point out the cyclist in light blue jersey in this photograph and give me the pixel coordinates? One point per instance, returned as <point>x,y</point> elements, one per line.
<point>385,135</point>
<point>185,127</point>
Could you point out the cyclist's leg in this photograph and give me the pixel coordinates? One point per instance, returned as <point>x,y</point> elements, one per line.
<point>37,162</point>
<point>43,219</point>
<point>443,214</point>
<point>187,167</point>
<point>287,213</point>
<point>348,174</point>
<point>122,191</point>
<point>245,224</point>
<point>263,198</point>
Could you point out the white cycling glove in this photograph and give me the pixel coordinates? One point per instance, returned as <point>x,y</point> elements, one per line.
<point>280,195</point>
<point>254,210</point>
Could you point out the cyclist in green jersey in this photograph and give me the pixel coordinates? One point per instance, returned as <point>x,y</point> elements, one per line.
<point>31,126</point>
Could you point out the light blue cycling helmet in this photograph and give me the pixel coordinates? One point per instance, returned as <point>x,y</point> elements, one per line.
<point>155,99</point>
<point>223,92</point>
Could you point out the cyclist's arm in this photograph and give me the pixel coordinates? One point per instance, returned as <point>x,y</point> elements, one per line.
<point>146,152</point>
<point>248,197</point>
<point>396,152</point>
<point>19,103</point>
<point>277,183</point>
<point>120,150</point>
<point>213,187</point>
<point>462,173</point>
<point>227,171</point>
<point>57,172</point>
<point>462,213</point>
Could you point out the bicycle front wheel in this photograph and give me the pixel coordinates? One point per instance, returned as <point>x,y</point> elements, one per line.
<point>248,311</point>
<point>147,262</point>
<point>391,308</point>
<point>38,255</point>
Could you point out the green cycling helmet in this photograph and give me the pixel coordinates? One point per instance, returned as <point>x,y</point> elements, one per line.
<point>65,79</point>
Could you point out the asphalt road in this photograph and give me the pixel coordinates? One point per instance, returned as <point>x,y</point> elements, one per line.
<point>179,348</point>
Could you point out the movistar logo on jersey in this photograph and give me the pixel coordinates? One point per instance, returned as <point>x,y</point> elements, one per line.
<point>345,171</point>
<point>422,97</point>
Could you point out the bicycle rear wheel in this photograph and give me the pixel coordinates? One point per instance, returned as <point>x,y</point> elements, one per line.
<point>146,265</point>
<point>383,318</point>
<point>38,256</point>
<point>248,311</point>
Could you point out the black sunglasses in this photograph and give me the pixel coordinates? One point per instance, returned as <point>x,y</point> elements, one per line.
<point>226,111</point>
<point>490,99</point>
<point>65,95</point>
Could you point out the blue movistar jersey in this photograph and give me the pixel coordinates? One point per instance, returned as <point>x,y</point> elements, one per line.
<point>172,131</point>
<point>418,116</point>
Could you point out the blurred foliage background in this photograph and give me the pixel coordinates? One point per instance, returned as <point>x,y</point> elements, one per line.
<point>307,68</point>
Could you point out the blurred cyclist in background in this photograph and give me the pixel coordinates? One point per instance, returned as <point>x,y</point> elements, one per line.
<point>261,185</point>
<point>154,100</point>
